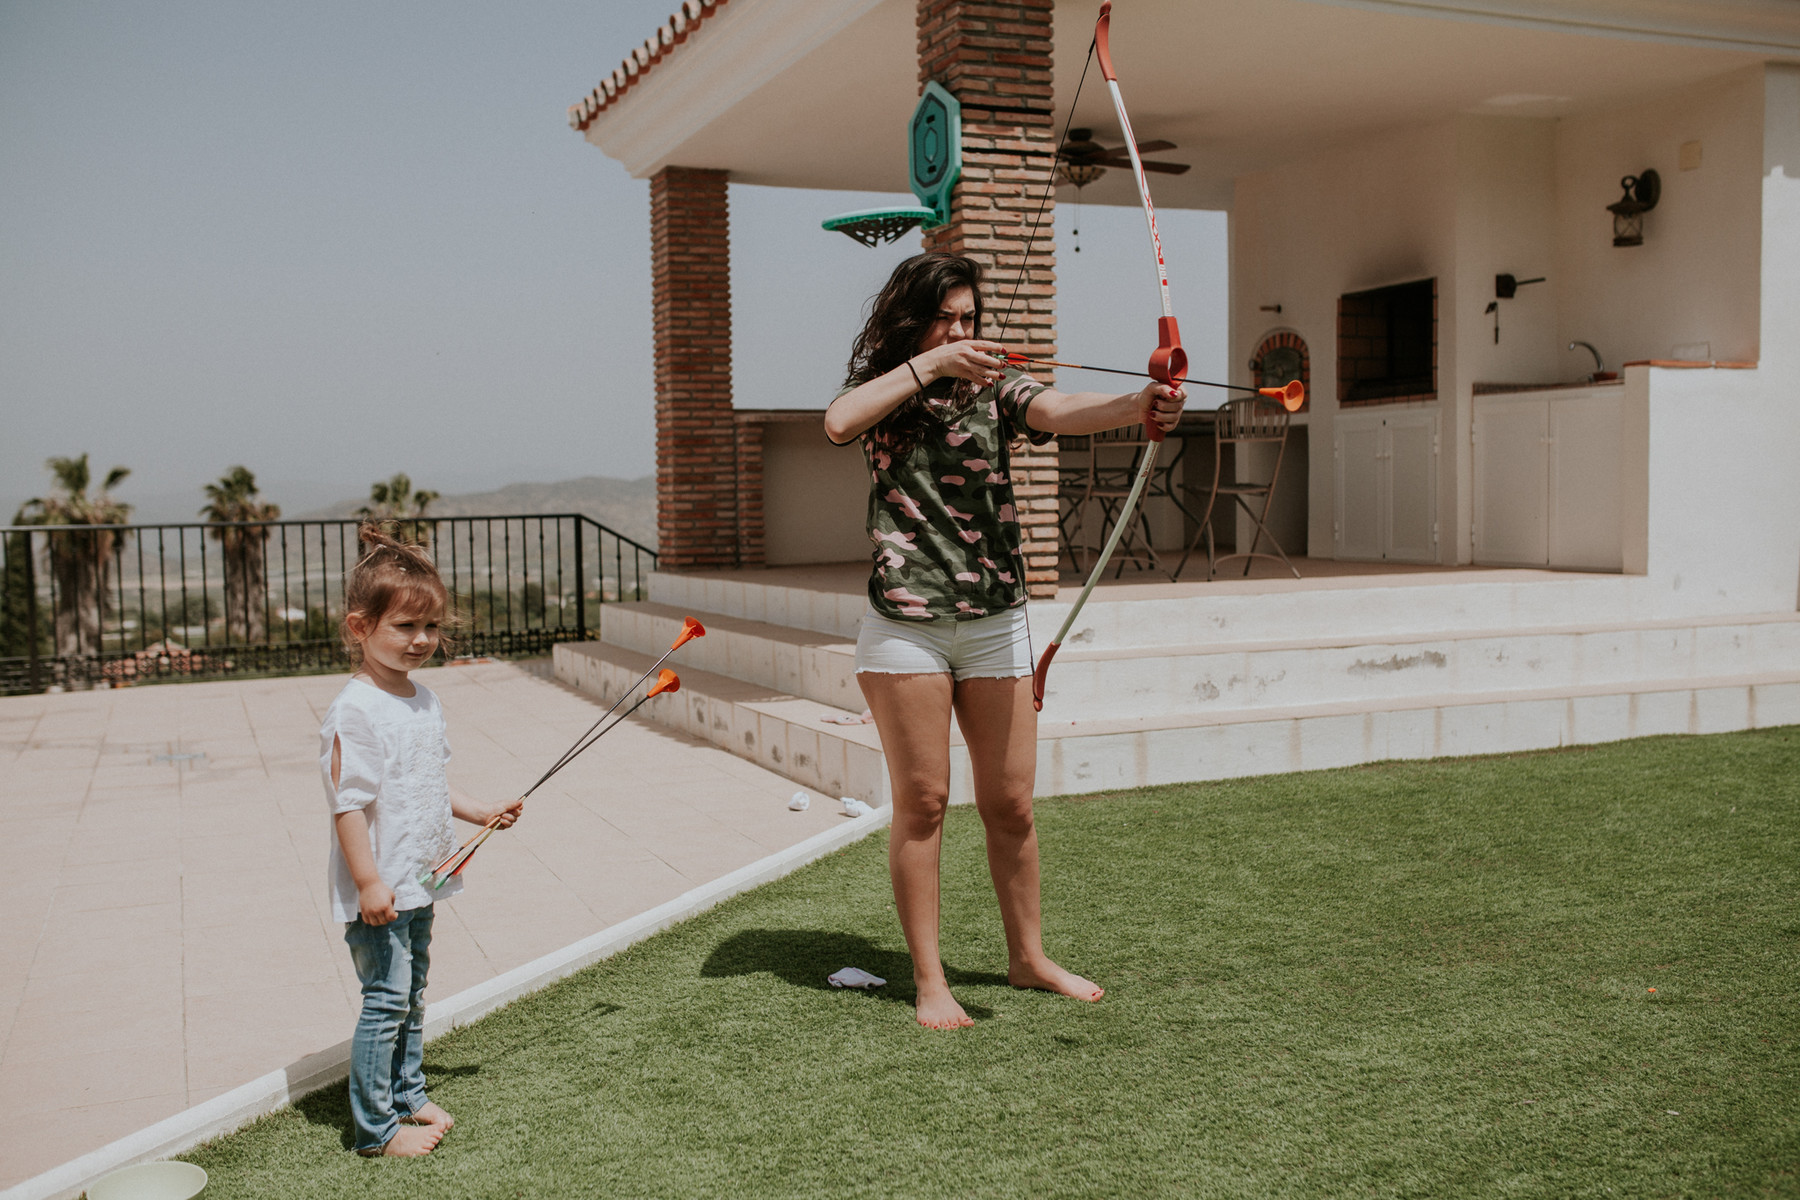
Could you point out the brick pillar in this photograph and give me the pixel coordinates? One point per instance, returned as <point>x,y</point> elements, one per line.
<point>751,528</point>
<point>994,57</point>
<point>696,450</point>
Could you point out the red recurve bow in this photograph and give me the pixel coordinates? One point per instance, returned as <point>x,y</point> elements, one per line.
<point>1168,364</point>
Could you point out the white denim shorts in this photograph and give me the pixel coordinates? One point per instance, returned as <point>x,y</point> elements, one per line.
<point>992,647</point>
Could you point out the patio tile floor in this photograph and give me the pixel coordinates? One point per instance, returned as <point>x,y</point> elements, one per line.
<point>169,936</point>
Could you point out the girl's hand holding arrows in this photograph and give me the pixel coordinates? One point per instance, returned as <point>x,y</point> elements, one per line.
<point>498,815</point>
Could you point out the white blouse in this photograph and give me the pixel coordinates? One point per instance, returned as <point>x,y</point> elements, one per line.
<point>392,751</point>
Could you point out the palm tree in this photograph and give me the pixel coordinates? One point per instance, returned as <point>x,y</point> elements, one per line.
<point>80,563</point>
<point>235,498</point>
<point>15,598</point>
<point>399,509</point>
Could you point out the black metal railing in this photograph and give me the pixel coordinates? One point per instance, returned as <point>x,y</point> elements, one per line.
<point>91,605</point>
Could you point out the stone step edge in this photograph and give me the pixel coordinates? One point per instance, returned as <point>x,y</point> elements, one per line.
<point>797,710</point>
<point>728,623</point>
<point>829,643</point>
<point>865,768</point>
<point>1443,700</point>
<point>1406,584</point>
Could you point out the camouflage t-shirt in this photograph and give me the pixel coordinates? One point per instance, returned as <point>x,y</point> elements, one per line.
<point>941,515</point>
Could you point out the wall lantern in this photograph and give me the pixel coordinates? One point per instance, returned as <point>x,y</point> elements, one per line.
<point>1641,194</point>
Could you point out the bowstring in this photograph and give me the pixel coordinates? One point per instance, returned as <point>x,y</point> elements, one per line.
<point>1037,220</point>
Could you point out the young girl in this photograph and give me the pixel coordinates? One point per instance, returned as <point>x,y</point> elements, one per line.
<point>945,629</point>
<point>383,751</point>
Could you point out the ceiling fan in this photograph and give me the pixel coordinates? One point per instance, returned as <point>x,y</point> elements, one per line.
<point>1083,160</point>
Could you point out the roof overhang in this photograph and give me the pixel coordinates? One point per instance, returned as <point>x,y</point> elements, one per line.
<point>815,93</point>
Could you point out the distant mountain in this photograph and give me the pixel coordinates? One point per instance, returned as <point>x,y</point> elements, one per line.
<point>627,506</point>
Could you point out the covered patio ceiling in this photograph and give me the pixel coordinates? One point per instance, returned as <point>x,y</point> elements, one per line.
<point>816,93</point>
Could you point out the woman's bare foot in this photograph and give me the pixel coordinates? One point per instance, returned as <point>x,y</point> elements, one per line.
<point>936,1008</point>
<point>1046,976</point>
<point>413,1141</point>
<point>429,1113</point>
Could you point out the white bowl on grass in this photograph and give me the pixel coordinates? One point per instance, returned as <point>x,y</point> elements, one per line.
<point>150,1181</point>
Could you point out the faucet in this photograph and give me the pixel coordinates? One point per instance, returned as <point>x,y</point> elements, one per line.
<point>1599,366</point>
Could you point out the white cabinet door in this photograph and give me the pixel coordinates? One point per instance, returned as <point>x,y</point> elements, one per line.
<point>1387,486</point>
<point>1547,480</point>
<point>1412,487</point>
<point>1583,529</point>
<point>1359,490</point>
<point>1511,480</point>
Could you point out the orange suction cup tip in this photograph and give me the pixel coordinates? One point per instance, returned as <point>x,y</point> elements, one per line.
<point>690,629</point>
<point>1291,396</point>
<point>667,681</point>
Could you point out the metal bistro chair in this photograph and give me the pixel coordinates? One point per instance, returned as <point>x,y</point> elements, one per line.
<point>1071,482</point>
<point>1245,421</point>
<point>1103,484</point>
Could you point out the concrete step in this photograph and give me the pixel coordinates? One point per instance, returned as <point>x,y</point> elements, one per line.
<point>1128,616</point>
<point>835,609</point>
<point>798,662</point>
<point>1225,677</point>
<point>1177,679</point>
<point>1105,755</point>
<point>1350,609</point>
<point>786,734</point>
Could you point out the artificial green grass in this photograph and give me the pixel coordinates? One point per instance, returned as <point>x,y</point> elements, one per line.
<point>1407,979</point>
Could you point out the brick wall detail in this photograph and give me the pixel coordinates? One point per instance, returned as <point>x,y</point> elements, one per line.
<point>1367,345</point>
<point>995,58</point>
<point>1284,339</point>
<point>752,540</point>
<point>696,441</point>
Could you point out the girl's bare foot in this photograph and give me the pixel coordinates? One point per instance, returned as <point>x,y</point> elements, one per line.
<point>413,1141</point>
<point>1046,976</point>
<point>936,1008</point>
<point>429,1113</point>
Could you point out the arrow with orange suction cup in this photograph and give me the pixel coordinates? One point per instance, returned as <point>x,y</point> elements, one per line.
<point>452,866</point>
<point>1291,395</point>
<point>690,629</point>
<point>667,681</point>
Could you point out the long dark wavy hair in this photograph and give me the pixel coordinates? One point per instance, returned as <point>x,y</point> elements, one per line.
<point>899,317</point>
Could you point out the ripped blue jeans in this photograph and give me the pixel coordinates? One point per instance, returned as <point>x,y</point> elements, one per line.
<point>387,1052</point>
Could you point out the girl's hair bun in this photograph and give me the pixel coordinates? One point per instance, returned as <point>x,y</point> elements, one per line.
<point>392,575</point>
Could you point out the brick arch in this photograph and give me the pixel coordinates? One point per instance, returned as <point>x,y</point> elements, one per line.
<point>1284,339</point>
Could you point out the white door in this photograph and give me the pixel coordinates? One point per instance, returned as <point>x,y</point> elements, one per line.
<point>1387,486</point>
<point>1584,483</point>
<point>1359,471</point>
<point>1511,481</point>
<point>1412,487</point>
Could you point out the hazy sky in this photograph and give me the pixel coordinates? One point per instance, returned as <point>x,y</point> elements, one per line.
<point>331,241</point>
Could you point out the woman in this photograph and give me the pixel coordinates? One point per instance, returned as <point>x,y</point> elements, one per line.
<point>945,631</point>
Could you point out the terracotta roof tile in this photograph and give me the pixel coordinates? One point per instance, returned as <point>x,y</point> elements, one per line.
<point>676,30</point>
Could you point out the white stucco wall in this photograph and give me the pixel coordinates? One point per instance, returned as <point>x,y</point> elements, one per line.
<point>1505,224</point>
<point>1357,217</point>
<point>1471,197</point>
<point>815,497</point>
<point>1695,278</point>
<point>1780,311</point>
<point>1720,484</point>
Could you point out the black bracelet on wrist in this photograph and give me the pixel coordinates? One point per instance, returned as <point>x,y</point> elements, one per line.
<point>915,375</point>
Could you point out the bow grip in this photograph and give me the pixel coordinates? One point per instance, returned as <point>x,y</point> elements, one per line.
<point>1168,365</point>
